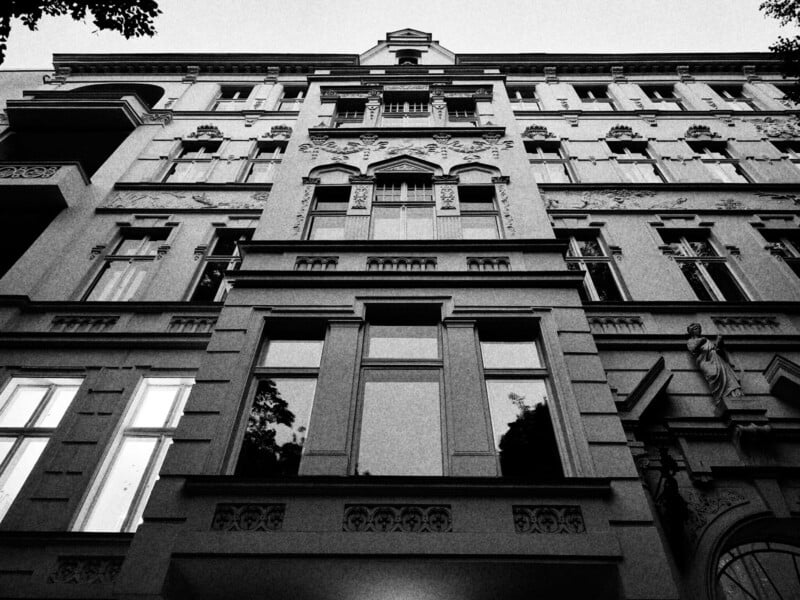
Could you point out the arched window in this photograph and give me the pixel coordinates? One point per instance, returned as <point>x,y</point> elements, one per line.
<point>758,570</point>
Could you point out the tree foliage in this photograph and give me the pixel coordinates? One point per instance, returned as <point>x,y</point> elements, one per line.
<point>787,12</point>
<point>131,18</point>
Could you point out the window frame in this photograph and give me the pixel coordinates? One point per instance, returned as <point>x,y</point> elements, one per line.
<point>494,213</point>
<point>233,261</point>
<point>538,158</point>
<point>654,93</point>
<point>201,164</point>
<point>574,256</point>
<point>239,100</point>
<point>588,94</point>
<point>630,163</point>
<point>316,213</point>
<point>125,430</point>
<point>785,244</point>
<point>403,199</point>
<point>520,102</point>
<point>735,101</point>
<point>273,162</point>
<point>706,151</point>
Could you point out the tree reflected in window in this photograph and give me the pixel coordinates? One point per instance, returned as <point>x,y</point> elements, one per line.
<point>277,428</point>
<point>528,447</point>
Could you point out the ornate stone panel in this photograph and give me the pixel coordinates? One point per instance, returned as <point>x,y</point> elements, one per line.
<point>407,518</point>
<point>248,517</point>
<point>548,519</point>
<point>186,200</point>
<point>86,569</point>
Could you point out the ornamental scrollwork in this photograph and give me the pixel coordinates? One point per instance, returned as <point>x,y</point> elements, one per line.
<point>700,131</point>
<point>548,519</point>
<point>28,171</point>
<point>773,127</point>
<point>448,196</point>
<point>300,217</point>
<point>365,144</point>
<point>86,569</point>
<point>405,518</point>
<point>248,517</point>
<point>622,131</point>
<point>360,197</point>
<point>537,131</point>
<point>705,507</point>
<point>208,130</point>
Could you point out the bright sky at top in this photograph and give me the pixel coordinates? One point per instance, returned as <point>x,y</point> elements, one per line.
<point>352,26</point>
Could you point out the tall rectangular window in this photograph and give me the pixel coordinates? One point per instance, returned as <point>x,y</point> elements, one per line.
<point>548,162</point>
<point>328,212</point>
<point>524,98</point>
<point>222,256</point>
<point>193,162</point>
<point>785,243</point>
<point>126,267</point>
<point>123,484</point>
<point>664,97</point>
<point>400,425</point>
<point>292,98</point>
<point>350,112</point>
<point>718,161</point>
<point>30,411</point>
<point>264,161</point>
<point>403,209</point>
<point>704,268</point>
<point>283,396</point>
<point>587,253</point>
<point>519,404</point>
<point>595,97</point>
<point>634,163</point>
<point>734,97</point>
<point>479,213</point>
<point>232,97</point>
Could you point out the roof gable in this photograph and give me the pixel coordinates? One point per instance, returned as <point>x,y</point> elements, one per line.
<point>385,52</point>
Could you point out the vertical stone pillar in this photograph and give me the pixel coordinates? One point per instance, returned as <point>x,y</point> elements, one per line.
<point>438,107</point>
<point>309,183</point>
<point>448,212</point>
<point>471,451</point>
<point>274,96</point>
<point>504,203</point>
<point>372,111</point>
<point>327,450</point>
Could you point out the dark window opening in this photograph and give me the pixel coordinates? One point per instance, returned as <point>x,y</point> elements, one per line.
<point>223,256</point>
<point>408,57</point>
<point>20,226</point>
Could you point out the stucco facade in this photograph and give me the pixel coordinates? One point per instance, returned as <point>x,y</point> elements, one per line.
<point>412,243</point>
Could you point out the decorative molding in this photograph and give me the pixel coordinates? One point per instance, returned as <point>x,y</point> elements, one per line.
<point>616,324</point>
<point>206,131</point>
<point>505,207</point>
<point>316,263</point>
<point>401,263</point>
<point>279,131</point>
<point>302,210</point>
<point>161,199</point>
<point>537,131</point>
<point>192,71</point>
<point>743,324</point>
<point>82,324</point>
<point>777,127</point>
<point>488,263</point>
<point>750,74</point>
<point>400,518</point>
<point>783,377</point>
<point>60,77</point>
<point>550,75</point>
<point>162,118</point>
<point>548,519</point>
<point>618,74</point>
<point>96,251</point>
<point>447,194</point>
<point>619,131</point>
<point>28,171</point>
<point>86,570</point>
<point>700,131</point>
<point>248,517</point>
<point>365,144</point>
<point>360,197</point>
<point>191,324</point>
<point>683,73</point>
<point>704,507</point>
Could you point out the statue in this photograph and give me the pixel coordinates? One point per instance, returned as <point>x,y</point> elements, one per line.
<point>714,364</point>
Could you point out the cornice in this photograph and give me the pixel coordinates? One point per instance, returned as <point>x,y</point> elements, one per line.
<point>29,305</point>
<point>692,306</point>
<point>403,246</point>
<point>346,132</point>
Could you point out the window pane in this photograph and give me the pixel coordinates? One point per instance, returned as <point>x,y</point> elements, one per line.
<point>523,433</point>
<point>293,353</point>
<point>226,244</point>
<point>419,223</point>
<point>725,282</point>
<point>5,447</point>
<point>510,355</point>
<point>277,428</point>
<point>590,248</point>
<point>57,406</point>
<point>702,248</point>
<point>387,223</point>
<point>603,281</point>
<point>120,484</point>
<point>403,341</point>
<point>154,405</point>
<point>400,429</point>
<point>119,281</point>
<point>20,407</point>
<point>17,471</point>
<point>478,228</point>
<point>695,279</point>
<point>327,228</point>
<point>208,288</point>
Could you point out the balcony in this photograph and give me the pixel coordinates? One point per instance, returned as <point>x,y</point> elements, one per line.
<point>40,186</point>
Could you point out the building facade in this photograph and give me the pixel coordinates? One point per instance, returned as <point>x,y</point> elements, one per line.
<point>400,324</point>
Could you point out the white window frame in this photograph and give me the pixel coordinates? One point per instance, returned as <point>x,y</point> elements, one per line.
<point>163,435</point>
<point>689,255</point>
<point>574,256</point>
<point>29,429</point>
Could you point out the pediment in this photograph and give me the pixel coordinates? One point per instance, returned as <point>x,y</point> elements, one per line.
<point>408,34</point>
<point>404,164</point>
<point>384,53</point>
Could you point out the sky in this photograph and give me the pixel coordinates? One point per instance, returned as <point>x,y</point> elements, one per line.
<point>463,26</point>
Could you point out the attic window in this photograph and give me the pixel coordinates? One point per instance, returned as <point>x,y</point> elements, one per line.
<point>408,57</point>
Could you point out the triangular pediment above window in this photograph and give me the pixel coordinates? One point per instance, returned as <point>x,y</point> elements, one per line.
<point>407,47</point>
<point>404,165</point>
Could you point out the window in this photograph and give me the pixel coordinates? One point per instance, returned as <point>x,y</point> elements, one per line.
<point>524,98</point>
<point>719,162</point>
<point>193,163</point>
<point>118,495</point>
<point>548,162</point>
<point>703,267</point>
<point>734,97</point>
<point>30,411</point>
<point>264,162</point>
<point>126,267</point>
<point>517,389</point>
<point>349,112</point>
<point>792,149</point>
<point>403,209</point>
<point>595,97</point>
<point>587,253</point>
<point>478,212</point>
<point>786,244</point>
<point>328,212</point>
<point>408,57</point>
<point>405,104</point>
<point>292,98</point>
<point>634,163</point>
<point>401,419</point>
<point>664,96</point>
<point>232,97</point>
<point>223,256</point>
<point>461,110</point>
<point>286,381</point>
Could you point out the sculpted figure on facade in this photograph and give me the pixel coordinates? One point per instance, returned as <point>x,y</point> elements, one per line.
<point>714,363</point>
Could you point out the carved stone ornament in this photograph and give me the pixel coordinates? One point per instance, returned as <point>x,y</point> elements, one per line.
<point>365,144</point>
<point>162,118</point>
<point>248,517</point>
<point>360,195</point>
<point>279,131</point>
<point>776,127</point>
<point>206,131</point>
<point>537,131</point>
<point>86,570</point>
<point>548,519</point>
<point>622,131</point>
<point>191,324</point>
<point>28,171</point>
<point>404,518</point>
<point>448,196</point>
<point>705,507</point>
<point>714,364</point>
<point>700,131</point>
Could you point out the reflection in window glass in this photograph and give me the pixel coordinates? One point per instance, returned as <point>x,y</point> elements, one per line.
<point>403,341</point>
<point>523,432</point>
<point>277,428</point>
<point>510,355</point>
<point>17,471</point>
<point>400,429</point>
<point>59,401</point>
<point>155,406</point>
<point>293,353</point>
<point>20,407</point>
